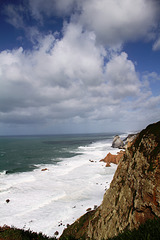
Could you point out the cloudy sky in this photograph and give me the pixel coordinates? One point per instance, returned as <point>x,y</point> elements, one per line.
<point>69,66</point>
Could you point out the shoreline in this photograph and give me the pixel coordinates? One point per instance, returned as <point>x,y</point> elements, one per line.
<point>84,171</point>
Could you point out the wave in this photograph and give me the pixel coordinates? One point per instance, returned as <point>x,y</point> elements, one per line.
<point>40,200</point>
<point>3,172</point>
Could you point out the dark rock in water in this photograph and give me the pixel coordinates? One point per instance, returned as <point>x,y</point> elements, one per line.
<point>44,169</point>
<point>91,160</point>
<point>88,209</point>
<point>56,233</point>
<point>117,142</point>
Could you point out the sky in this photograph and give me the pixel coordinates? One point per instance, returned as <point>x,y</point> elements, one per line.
<point>79,66</point>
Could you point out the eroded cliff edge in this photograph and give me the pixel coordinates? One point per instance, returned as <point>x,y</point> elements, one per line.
<point>134,193</point>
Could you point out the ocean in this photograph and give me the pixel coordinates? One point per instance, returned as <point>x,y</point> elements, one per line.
<point>50,181</point>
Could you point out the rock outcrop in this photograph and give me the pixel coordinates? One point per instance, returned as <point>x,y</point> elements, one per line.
<point>112,158</point>
<point>134,193</point>
<point>117,142</point>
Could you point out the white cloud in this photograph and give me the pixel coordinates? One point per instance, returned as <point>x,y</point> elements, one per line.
<point>156,45</point>
<point>75,59</point>
<point>63,78</point>
<point>67,80</point>
<point>39,8</point>
<point>122,77</point>
<point>15,15</point>
<point>115,21</point>
<point>75,78</point>
<point>152,77</point>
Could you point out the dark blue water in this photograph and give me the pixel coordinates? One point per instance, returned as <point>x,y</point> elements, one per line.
<point>25,153</point>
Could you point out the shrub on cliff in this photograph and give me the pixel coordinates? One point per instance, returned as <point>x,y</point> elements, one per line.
<point>7,233</point>
<point>150,230</point>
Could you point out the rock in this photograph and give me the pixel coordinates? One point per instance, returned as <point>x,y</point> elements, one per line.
<point>88,209</point>
<point>91,160</point>
<point>44,169</point>
<point>129,140</point>
<point>56,233</point>
<point>130,137</point>
<point>7,200</point>
<point>117,142</point>
<point>110,158</point>
<point>108,164</point>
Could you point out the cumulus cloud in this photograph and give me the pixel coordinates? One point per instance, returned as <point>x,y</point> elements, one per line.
<point>65,79</point>
<point>112,22</point>
<point>80,75</point>
<point>122,77</point>
<point>116,22</point>
<point>66,76</point>
<point>52,78</point>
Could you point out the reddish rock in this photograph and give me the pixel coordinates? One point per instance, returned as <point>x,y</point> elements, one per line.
<point>108,164</point>
<point>110,158</point>
<point>44,169</point>
<point>88,209</point>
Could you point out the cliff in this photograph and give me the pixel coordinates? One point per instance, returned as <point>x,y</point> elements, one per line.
<point>134,193</point>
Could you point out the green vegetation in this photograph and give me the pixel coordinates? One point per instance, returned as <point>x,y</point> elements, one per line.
<point>150,230</point>
<point>7,233</point>
<point>72,238</point>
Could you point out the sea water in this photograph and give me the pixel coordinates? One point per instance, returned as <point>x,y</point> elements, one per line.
<point>50,181</point>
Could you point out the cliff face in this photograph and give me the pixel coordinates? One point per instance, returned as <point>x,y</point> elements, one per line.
<point>134,194</point>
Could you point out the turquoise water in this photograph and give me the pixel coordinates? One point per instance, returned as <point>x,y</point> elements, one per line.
<point>25,153</point>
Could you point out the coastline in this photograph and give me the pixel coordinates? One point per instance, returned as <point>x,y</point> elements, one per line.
<point>84,171</point>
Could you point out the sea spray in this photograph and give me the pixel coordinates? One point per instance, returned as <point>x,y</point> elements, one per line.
<point>46,201</point>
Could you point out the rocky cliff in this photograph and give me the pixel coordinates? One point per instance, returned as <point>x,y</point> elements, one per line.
<point>134,193</point>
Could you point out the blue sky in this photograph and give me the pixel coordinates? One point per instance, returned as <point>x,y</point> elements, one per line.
<point>79,66</point>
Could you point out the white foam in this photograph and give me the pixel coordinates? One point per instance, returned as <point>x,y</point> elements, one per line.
<point>46,201</point>
<point>3,172</point>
